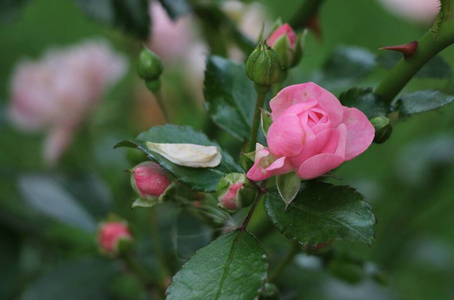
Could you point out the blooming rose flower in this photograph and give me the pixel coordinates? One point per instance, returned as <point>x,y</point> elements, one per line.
<point>149,179</point>
<point>57,92</point>
<point>311,134</point>
<point>423,11</point>
<point>110,235</point>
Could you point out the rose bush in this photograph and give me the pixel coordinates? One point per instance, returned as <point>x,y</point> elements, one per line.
<point>311,134</point>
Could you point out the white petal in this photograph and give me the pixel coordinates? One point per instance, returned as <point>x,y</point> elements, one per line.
<point>188,155</point>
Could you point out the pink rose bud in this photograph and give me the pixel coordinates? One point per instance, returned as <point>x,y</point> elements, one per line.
<point>311,134</point>
<point>111,234</point>
<point>234,192</point>
<point>149,179</point>
<point>284,41</point>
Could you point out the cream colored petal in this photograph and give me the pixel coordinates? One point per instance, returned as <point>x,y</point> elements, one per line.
<point>188,155</point>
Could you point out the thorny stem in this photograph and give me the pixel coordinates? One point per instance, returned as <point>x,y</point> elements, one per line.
<point>294,249</point>
<point>438,38</point>
<point>306,11</point>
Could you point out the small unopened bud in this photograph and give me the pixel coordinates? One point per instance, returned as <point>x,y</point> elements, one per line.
<point>149,66</point>
<point>114,237</point>
<point>149,179</point>
<point>263,66</point>
<point>383,129</point>
<point>408,50</point>
<point>284,40</point>
<point>235,192</point>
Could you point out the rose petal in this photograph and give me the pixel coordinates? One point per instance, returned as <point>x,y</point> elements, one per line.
<point>262,170</point>
<point>284,29</point>
<point>57,142</point>
<point>300,93</point>
<point>286,136</point>
<point>360,132</point>
<point>318,165</point>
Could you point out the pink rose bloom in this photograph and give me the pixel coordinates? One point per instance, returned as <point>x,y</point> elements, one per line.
<point>149,179</point>
<point>311,134</point>
<point>57,92</point>
<point>423,11</point>
<point>110,234</point>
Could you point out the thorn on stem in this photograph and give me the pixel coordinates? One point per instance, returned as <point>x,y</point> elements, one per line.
<point>314,25</point>
<point>408,50</point>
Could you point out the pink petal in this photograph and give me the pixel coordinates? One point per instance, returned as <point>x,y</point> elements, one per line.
<point>304,92</point>
<point>360,132</point>
<point>286,136</point>
<point>318,165</point>
<point>285,29</point>
<point>262,170</point>
<point>315,145</point>
<point>280,166</point>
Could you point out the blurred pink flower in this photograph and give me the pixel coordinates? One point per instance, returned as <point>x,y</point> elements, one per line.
<point>169,39</point>
<point>56,92</point>
<point>110,234</point>
<point>423,11</point>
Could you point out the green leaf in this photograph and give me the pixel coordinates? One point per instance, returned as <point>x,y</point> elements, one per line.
<point>422,101</point>
<point>265,121</point>
<point>437,67</point>
<point>46,196</point>
<point>347,65</point>
<point>229,96</point>
<point>199,179</point>
<point>176,8</point>
<point>81,279</point>
<point>128,15</point>
<point>10,9</point>
<point>366,101</point>
<point>231,267</point>
<point>288,186</point>
<point>322,212</point>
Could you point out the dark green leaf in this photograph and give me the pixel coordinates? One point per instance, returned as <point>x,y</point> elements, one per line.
<point>128,15</point>
<point>82,279</point>
<point>231,267</point>
<point>322,212</point>
<point>347,65</point>
<point>437,67</point>
<point>366,101</point>
<point>422,101</point>
<point>288,186</point>
<point>176,8</point>
<point>10,9</point>
<point>200,179</point>
<point>46,196</point>
<point>229,96</point>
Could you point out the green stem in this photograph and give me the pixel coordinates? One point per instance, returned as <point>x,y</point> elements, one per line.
<point>261,95</point>
<point>428,46</point>
<point>160,101</point>
<point>294,249</point>
<point>143,276</point>
<point>306,11</point>
<point>261,192</point>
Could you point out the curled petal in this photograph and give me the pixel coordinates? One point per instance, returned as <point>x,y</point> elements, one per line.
<point>268,166</point>
<point>300,93</point>
<point>360,132</point>
<point>188,155</point>
<point>318,165</point>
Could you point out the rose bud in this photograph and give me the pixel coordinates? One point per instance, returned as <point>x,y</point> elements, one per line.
<point>311,134</point>
<point>114,237</point>
<point>263,66</point>
<point>383,129</point>
<point>284,41</point>
<point>234,192</point>
<point>149,179</point>
<point>149,66</point>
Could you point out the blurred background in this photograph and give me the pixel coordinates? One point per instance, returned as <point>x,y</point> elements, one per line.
<point>60,176</point>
